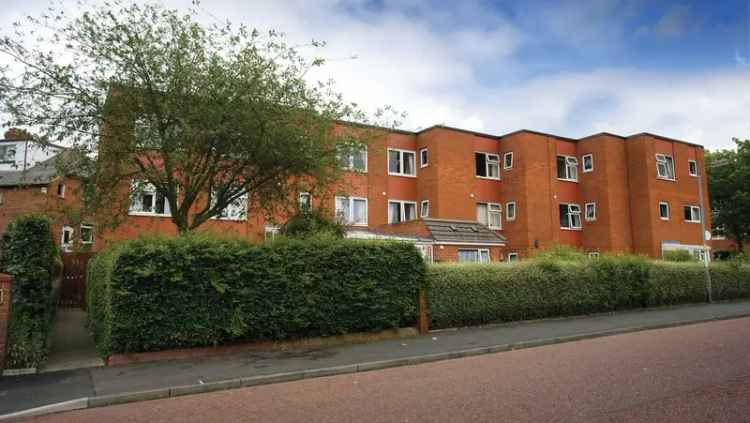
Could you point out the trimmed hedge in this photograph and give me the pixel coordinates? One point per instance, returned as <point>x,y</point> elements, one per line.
<point>30,256</point>
<point>155,294</point>
<point>475,294</point>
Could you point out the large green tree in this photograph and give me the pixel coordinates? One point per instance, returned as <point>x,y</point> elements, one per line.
<point>194,110</point>
<point>729,190</point>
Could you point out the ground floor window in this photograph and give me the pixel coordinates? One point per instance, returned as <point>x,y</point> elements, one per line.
<point>271,231</point>
<point>481,255</point>
<point>66,240</point>
<point>426,251</point>
<point>87,234</point>
<point>512,257</point>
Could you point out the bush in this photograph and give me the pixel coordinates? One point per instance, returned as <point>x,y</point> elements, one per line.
<point>475,294</point>
<point>29,255</point>
<point>154,294</point>
<point>678,255</point>
<point>307,224</point>
<point>562,253</point>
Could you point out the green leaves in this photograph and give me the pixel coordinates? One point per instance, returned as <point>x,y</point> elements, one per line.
<point>728,174</point>
<point>209,291</point>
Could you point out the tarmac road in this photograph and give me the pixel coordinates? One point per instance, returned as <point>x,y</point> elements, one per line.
<point>695,373</point>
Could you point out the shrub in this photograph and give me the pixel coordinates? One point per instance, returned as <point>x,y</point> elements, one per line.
<point>563,253</point>
<point>730,280</point>
<point>29,255</point>
<point>678,282</point>
<point>311,223</point>
<point>678,255</point>
<point>154,294</point>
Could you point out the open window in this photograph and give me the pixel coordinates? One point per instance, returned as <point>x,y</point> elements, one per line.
<point>567,168</point>
<point>664,167</point>
<point>508,160</point>
<point>490,214</point>
<point>424,209</point>
<point>570,216</point>
<point>692,214</point>
<point>487,165</point>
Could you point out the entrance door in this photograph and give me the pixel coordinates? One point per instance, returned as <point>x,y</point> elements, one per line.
<point>73,284</point>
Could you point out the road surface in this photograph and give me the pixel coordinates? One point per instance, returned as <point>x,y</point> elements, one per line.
<point>696,373</point>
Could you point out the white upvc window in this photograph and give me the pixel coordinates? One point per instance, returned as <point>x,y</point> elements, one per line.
<point>480,255</point>
<point>66,238</point>
<point>271,232</point>
<point>665,167</point>
<point>305,201</point>
<point>8,153</point>
<point>487,165</point>
<point>61,190</point>
<point>567,168</point>
<point>351,210</point>
<point>588,163</point>
<point>663,210</point>
<point>426,251</point>
<point>510,211</point>
<point>401,162</point>
<point>512,257</point>
<point>508,160</point>
<point>236,210</point>
<point>692,214</point>
<point>424,209</point>
<point>87,234</point>
<point>490,214</point>
<point>146,200</point>
<point>423,157</point>
<point>354,160</point>
<point>570,216</point>
<point>590,209</point>
<point>693,167</point>
<point>401,211</point>
<point>593,254</point>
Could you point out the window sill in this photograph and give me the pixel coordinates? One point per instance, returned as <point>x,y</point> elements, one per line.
<point>229,219</point>
<point>587,171</point>
<point>590,220</point>
<point>692,221</point>
<point>488,178</point>
<point>495,228</point>
<point>347,169</point>
<point>402,175</point>
<point>661,178</point>
<point>694,176</point>
<point>570,229</point>
<point>147,214</point>
<point>567,180</point>
<point>666,219</point>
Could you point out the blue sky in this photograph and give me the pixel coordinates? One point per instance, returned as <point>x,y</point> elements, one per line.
<point>678,68</point>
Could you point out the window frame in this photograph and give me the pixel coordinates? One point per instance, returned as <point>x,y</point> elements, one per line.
<point>586,211</point>
<point>506,166</point>
<point>498,209</point>
<point>507,211</point>
<point>67,229</point>
<point>512,257</point>
<point>225,213</point>
<point>424,160</point>
<point>5,157</point>
<point>402,211</point>
<point>61,190</point>
<point>351,200</point>
<point>692,209</point>
<point>149,188</point>
<point>308,207</point>
<point>401,153</point>
<point>568,166</point>
<point>479,252</point>
<point>270,229</point>
<point>570,214</point>
<point>350,161</point>
<point>487,162</point>
<point>664,161</point>
<point>669,212</point>
<point>690,170</point>
<point>584,169</point>
<point>593,254</point>
<point>424,205</point>
<point>91,229</point>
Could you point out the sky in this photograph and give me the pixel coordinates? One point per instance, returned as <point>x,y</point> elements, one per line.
<point>573,68</point>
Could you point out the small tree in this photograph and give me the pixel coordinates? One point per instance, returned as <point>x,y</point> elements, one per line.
<point>307,223</point>
<point>207,115</point>
<point>728,176</point>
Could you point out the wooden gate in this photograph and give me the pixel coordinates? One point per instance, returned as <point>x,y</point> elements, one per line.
<point>73,284</point>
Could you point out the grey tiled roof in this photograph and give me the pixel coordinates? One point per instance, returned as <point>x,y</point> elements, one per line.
<point>447,231</point>
<point>41,173</point>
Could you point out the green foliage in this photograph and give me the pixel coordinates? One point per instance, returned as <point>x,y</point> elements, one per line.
<point>306,224</point>
<point>29,255</point>
<point>728,173</point>
<point>678,255</point>
<point>562,253</point>
<point>154,294</point>
<point>475,294</point>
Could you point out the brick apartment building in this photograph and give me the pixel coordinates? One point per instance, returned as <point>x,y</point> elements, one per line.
<point>467,196</point>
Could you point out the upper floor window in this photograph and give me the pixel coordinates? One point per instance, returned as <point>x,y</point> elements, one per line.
<point>61,190</point>
<point>424,209</point>
<point>588,163</point>
<point>423,162</point>
<point>693,167</point>
<point>692,214</point>
<point>590,211</point>
<point>351,210</point>
<point>664,166</point>
<point>8,153</point>
<point>401,162</point>
<point>236,210</point>
<point>401,211</point>
<point>664,210</point>
<point>305,201</point>
<point>487,165</point>
<point>355,159</point>
<point>508,160</point>
<point>570,216</point>
<point>510,210</point>
<point>87,234</point>
<point>567,168</point>
<point>66,240</point>
<point>490,214</point>
<point>147,200</point>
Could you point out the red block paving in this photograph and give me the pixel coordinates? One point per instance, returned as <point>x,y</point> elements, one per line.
<point>691,373</point>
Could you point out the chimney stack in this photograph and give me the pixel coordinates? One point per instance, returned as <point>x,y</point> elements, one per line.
<point>17,134</point>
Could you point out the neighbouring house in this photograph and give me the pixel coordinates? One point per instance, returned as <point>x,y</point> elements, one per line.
<point>467,196</point>
<point>19,151</point>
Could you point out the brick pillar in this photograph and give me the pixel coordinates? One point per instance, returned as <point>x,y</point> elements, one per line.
<point>5,283</point>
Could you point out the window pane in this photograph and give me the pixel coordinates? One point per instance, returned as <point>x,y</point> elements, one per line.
<point>161,204</point>
<point>484,256</point>
<point>508,160</point>
<point>670,167</point>
<point>394,212</point>
<point>493,170</point>
<point>561,168</point>
<point>481,164</point>
<point>696,213</point>
<point>409,168</point>
<point>590,211</point>
<point>342,209</point>
<point>663,211</point>
<point>410,211</point>
<point>423,157</point>
<point>305,201</point>
<point>564,222</point>
<point>588,162</point>
<point>575,220</point>
<point>394,161</point>
<point>147,202</point>
<point>468,256</point>
<point>495,219</point>
<point>425,212</point>
<point>511,211</point>
<point>359,160</point>
<point>482,213</point>
<point>360,211</point>
<point>572,171</point>
<point>688,213</point>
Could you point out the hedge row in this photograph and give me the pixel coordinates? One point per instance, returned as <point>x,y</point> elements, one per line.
<point>30,256</point>
<point>474,294</point>
<point>154,294</point>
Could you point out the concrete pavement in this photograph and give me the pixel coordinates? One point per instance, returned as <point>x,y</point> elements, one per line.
<point>695,373</point>
<point>109,385</point>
